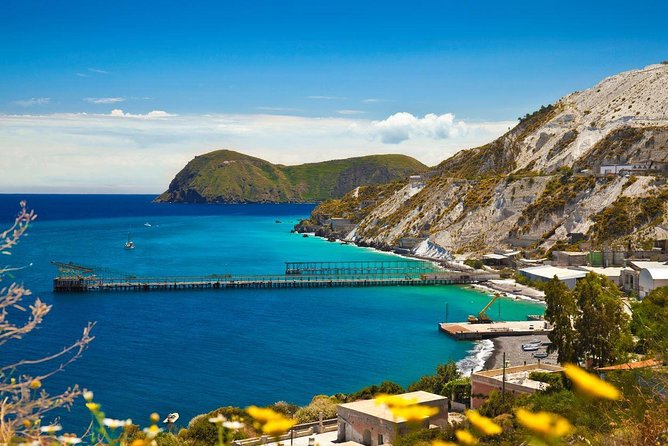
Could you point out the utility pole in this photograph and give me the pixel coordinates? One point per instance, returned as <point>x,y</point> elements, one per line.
<point>503,382</point>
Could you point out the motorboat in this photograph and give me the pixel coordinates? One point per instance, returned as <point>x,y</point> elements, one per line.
<point>530,347</point>
<point>129,244</point>
<point>541,355</point>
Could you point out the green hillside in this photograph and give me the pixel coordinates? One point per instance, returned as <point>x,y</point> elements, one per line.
<point>225,176</point>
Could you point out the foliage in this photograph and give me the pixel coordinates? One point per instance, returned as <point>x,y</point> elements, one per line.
<point>650,322</point>
<point>320,404</point>
<point>23,402</point>
<point>438,382</point>
<point>600,321</point>
<point>474,263</point>
<point>498,403</point>
<point>201,432</point>
<point>386,387</point>
<point>559,313</point>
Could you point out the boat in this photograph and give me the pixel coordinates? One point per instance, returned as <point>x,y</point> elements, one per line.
<point>530,347</point>
<point>540,355</point>
<point>147,224</point>
<point>129,244</point>
<point>277,221</point>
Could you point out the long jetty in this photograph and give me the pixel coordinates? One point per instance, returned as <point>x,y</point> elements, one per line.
<point>78,278</point>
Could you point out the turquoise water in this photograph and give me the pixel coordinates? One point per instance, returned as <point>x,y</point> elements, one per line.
<point>193,351</point>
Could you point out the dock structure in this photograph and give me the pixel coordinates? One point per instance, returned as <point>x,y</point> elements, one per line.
<point>75,278</point>
<point>464,331</point>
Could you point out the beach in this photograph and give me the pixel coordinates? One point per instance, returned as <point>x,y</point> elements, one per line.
<point>512,347</point>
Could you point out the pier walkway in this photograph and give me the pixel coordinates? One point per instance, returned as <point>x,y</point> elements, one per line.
<point>72,277</point>
<point>464,331</point>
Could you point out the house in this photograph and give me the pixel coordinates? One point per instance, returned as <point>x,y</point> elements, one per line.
<point>545,273</point>
<point>416,181</point>
<point>372,424</point>
<point>513,379</point>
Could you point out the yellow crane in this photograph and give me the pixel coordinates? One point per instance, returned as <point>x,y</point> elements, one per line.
<point>482,317</point>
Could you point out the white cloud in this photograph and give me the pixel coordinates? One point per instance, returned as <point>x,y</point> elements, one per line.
<point>350,112</point>
<point>32,101</point>
<point>141,153</point>
<point>372,100</point>
<point>118,113</point>
<point>98,71</point>
<point>105,100</point>
<point>402,126</point>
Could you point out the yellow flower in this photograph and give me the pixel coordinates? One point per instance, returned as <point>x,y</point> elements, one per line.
<point>155,417</point>
<point>482,423</point>
<point>152,431</point>
<point>414,413</point>
<point>545,424</point>
<point>465,437</point>
<point>442,443</point>
<point>35,384</point>
<point>138,443</point>
<point>26,423</point>
<point>394,400</point>
<point>591,384</point>
<point>278,426</point>
<point>93,407</point>
<point>263,414</point>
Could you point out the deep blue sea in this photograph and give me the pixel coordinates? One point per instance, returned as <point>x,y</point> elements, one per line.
<point>193,351</point>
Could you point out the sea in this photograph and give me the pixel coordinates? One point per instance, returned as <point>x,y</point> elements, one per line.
<point>194,351</point>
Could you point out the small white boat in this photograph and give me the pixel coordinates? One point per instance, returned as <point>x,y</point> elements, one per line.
<point>540,355</point>
<point>530,347</point>
<point>147,224</point>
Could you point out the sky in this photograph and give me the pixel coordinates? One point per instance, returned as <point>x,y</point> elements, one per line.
<point>116,96</point>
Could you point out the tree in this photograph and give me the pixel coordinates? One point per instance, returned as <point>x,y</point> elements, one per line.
<point>23,403</point>
<point>437,383</point>
<point>602,326</point>
<point>650,322</point>
<point>560,313</point>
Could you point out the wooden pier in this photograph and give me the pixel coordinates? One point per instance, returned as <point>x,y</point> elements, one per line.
<point>78,278</point>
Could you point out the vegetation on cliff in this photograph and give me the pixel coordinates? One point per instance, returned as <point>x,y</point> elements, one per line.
<point>225,176</point>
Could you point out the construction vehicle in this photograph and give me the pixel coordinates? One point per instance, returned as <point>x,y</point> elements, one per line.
<point>482,317</point>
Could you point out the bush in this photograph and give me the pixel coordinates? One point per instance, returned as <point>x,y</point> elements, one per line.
<point>474,263</point>
<point>388,387</point>
<point>319,404</point>
<point>555,380</point>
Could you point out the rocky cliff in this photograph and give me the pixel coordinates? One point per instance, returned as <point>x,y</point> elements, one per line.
<point>225,176</point>
<point>542,181</point>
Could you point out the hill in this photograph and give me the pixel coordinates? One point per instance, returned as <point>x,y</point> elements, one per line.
<point>225,176</point>
<point>542,181</point>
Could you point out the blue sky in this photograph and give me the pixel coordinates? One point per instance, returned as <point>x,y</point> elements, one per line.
<point>483,61</point>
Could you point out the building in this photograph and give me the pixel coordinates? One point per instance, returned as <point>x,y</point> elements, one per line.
<point>517,381</point>
<point>630,276</point>
<point>372,424</point>
<point>612,273</point>
<point>651,278</point>
<point>545,273</point>
<point>416,181</point>
<point>567,258</point>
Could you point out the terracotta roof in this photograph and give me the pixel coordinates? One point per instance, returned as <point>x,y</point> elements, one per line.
<point>631,365</point>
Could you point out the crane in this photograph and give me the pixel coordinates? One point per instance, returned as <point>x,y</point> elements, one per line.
<point>482,317</point>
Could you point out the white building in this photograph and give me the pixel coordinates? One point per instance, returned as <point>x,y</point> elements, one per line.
<point>652,277</point>
<point>545,273</point>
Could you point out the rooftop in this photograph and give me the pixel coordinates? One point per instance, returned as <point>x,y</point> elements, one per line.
<point>549,271</point>
<point>371,407</point>
<point>608,272</point>
<point>657,272</point>
<point>520,375</point>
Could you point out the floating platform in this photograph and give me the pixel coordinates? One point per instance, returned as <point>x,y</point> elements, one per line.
<point>466,331</point>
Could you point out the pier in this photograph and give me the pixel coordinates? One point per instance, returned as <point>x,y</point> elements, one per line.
<point>464,331</point>
<point>78,278</point>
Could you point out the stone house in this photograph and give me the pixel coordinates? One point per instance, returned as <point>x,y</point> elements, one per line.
<point>371,424</point>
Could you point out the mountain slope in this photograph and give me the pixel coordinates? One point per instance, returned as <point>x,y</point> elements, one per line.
<point>538,183</point>
<point>225,176</point>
